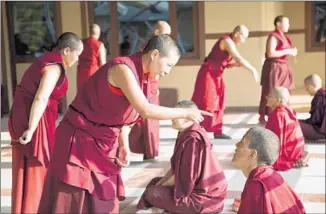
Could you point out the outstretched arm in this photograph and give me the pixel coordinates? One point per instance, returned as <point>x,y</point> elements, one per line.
<point>230,47</point>
<point>122,77</point>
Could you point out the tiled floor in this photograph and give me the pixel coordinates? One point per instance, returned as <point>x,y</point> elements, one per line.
<point>309,182</point>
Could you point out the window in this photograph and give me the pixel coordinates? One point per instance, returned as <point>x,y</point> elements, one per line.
<point>315,26</point>
<point>136,21</point>
<point>127,25</point>
<point>185,29</point>
<point>31,27</point>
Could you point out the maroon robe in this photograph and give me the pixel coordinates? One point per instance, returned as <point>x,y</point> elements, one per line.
<point>84,176</point>
<point>276,72</point>
<point>209,87</point>
<point>89,61</point>
<point>144,136</point>
<point>30,162</point>
<point>267,192</point>
<point>200,184</point>
<point>314,128</point>
<point>283,122</point>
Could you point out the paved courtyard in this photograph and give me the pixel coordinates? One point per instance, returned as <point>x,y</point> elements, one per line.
<point>308,182</point>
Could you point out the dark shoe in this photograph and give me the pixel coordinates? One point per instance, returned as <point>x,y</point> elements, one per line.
<point>222,136</point>
<point>152,160</point>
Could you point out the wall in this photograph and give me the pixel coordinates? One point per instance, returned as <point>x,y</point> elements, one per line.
<point>308,62</point>
<point>71,22</point>
<point>221,17</point>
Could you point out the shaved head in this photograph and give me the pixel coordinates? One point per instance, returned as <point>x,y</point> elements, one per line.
<point>95,30</point>
<point>164,43</point>
<point>282,94</point>
<point>279,19</point>
<point>182,124</point>
<point>266,143</point>
<point>313,79</point>
<point>278,96</point>
<point>257,147</point>
<point>282,23</point>
<point>242,29</point>
<point>313,83</point>
<point>68,40</point>
<point>161,27</point>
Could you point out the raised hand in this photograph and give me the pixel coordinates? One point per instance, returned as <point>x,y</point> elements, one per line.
<point>293,51</point>
<point>196,115</point>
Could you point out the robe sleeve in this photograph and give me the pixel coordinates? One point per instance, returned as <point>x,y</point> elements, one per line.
<point>187,168</point>
<point>252,198</point>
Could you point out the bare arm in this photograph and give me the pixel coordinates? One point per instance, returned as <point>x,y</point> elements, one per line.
<point>49,79</point>
<point>124,137</point>
<point>102,54</point>
<point>271,49</point>
<point>124,151</point>
<point>230,47</point>
<point>122,77</point>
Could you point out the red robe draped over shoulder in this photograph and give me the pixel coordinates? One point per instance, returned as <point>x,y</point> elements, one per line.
<point>275,72</point>
<point>283,122</point>
<point>86,142</point>
<point>144,136</point>
<point>200,183</point>
<point>210,88</point>
<point>267,192</point>
<point>89,61</point>
<point>30,162</point>
<point>314,128</point>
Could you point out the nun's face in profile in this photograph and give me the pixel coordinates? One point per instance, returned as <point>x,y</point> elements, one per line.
<point>162,66</point>
<point>70,56</point>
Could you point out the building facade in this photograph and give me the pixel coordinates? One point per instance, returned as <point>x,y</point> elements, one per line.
<point>29,28</point>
